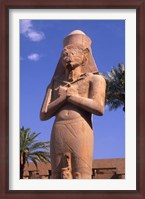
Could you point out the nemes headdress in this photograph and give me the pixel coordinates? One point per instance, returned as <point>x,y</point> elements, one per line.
<point>75,38</point>
<point>78,38</point>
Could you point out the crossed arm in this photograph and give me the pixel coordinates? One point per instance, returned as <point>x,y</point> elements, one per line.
<point>49,108</point>
<point>93,104</point>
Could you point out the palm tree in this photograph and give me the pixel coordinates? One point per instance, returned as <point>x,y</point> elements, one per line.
<point>31,149</point>
<point>115,91</point>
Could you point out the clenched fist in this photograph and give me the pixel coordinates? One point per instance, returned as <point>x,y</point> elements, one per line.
<point>62,90</point>
<point>71,91</point>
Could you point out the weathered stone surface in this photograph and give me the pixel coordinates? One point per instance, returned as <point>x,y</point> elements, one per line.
<point>101,169</point>
<point>75,93</point>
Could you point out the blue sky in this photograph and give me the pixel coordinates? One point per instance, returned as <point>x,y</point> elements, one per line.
<point>41,43</point>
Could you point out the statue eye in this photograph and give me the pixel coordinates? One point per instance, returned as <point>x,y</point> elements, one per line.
<point>65,54</point>
<point>74,53</point>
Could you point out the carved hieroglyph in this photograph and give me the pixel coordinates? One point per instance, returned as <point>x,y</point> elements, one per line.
<point>75,93</point>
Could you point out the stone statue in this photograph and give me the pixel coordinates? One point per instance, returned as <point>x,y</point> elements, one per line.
<point>75,93</point>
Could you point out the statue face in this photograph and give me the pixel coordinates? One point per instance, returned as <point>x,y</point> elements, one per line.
<point>72,57</point>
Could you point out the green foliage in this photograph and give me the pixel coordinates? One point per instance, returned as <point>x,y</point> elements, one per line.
<point>115,90</point>
<point>31,149</point>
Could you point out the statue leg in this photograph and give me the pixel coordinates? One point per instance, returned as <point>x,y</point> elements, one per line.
<point>81,170</point>
<point>83,152</point>
<point>56,166</point>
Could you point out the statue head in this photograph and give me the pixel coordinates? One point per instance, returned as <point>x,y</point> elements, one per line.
<point>73,56</point>
<point>78,44</point>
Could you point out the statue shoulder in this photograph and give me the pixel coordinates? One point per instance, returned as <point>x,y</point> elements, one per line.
<point>96,77</point>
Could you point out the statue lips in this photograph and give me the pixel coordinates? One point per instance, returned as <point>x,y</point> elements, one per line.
<point>71,66</point>
<point>68,64</point>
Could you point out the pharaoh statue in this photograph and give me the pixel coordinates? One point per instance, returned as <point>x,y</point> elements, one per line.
<point>75,92</point>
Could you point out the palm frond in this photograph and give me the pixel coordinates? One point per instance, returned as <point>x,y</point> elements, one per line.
<point>40,145</point>
<point>115,89</point>
<point>30,148</point>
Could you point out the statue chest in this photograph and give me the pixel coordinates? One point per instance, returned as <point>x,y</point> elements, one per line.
<point>81,86</point>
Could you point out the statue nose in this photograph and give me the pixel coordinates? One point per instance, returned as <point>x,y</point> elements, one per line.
<point>69,56</point>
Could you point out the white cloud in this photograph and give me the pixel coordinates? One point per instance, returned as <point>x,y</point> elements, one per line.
<point>25,26</point>
<point>35,36</point>
<point>34,57</point>
<point>27,29</point>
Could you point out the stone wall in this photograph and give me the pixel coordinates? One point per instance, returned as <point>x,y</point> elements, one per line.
<point>102,169</point>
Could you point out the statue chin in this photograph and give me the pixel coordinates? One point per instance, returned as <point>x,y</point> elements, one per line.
<point>71,66</point>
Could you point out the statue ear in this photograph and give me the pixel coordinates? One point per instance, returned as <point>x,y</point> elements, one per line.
<point>86,50</point>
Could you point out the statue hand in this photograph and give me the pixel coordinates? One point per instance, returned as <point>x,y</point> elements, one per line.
<point>62,90</point>
<point>71,91</point>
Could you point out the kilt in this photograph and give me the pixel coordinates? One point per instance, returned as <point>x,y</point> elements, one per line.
<point>76,138</point>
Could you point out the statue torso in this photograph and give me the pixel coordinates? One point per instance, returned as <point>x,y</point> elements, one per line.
<point>69,111</point>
